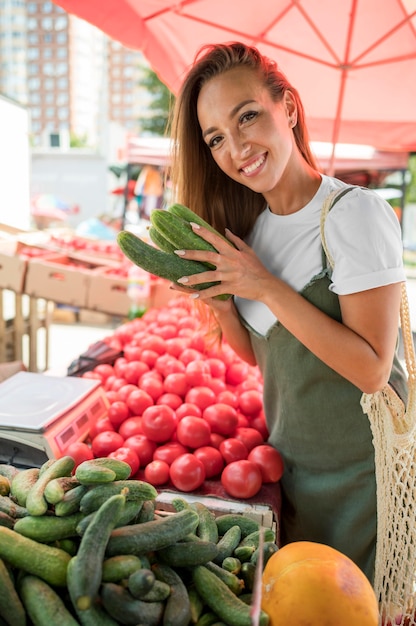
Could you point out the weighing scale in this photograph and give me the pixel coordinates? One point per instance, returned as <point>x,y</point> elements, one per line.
<point>41,415</point>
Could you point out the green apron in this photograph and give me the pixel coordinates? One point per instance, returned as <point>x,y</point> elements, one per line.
<point>315,420</point>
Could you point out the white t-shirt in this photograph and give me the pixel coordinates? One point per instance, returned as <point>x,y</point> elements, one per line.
<point>362,234</point>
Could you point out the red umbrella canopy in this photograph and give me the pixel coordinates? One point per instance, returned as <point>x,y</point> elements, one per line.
<point>353,61</point>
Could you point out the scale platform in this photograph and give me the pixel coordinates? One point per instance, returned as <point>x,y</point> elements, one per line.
<point>41,415</point>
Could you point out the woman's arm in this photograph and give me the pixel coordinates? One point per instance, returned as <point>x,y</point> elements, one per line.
<point>361,348</point>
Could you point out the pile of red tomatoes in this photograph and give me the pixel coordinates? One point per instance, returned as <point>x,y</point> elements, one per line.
<point>182,410</point>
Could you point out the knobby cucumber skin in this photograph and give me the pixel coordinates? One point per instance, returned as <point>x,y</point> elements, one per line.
<point>187,214</point>
<point>43,605</point>
<point>36,502</point>
<point>160,241</point>
<point>178,231</point>
<point>47,562</point>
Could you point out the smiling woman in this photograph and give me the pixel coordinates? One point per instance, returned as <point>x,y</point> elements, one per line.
<point>321,338</point>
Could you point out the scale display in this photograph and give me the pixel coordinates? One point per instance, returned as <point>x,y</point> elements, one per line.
<point>40,415</point>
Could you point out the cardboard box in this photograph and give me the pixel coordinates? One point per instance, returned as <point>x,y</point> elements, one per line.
<point>107,293</point>
<point>12,267</point>
<point>59,278</point>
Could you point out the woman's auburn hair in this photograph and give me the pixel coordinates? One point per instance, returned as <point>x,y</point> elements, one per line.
<point>197,181</point>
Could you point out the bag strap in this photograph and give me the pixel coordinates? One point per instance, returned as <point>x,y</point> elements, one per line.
<point>405,323</point>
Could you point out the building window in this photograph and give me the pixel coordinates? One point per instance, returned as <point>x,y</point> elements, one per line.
<point>61,37</point>
<point>32,7</point>
<point>33,69</point>
<point>33,39</point>
<point>49,69</point>
<point>47,7</point>
<point>33,83</point>
<point>47,53</point>
<point>47,23</point>
<point>63,83</point>
<point>61,22</point>
<point>49,84</point>
<point>47,37</point>
<point>50,112</point>
<point>32,23</point>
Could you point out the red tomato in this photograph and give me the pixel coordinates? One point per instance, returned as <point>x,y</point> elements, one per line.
<point>190,354</point>
<point>187,409</point>
<point>152,385</point>
<point>156,473</point>
<point>217,385</point>
<point>124,392</point>
<point>176,345</point>
<point>100,425</point>
<point>198,342</point>
<point>251,402</point>
<point>108,383</point>
<point>149,357</point>
<point>143,447</point>
<point>216,440</point>
<point>243,421</point>
<point>131,426</point>
<point>79,451</point>
<point>118,412</point>
<point>104,370</point>
<point>201,396</point>
<point>197,373</point>
<point>212,459</point>
<point>133,370</point>
<point>187,472</point>
<point>118,383</point>
<point>112,396</point>
<point>233,449</point>
<point>170,399</point>
<point>167,331</point>
<point>193,432</point>
<point>241,479</point>
<point>129,456</point>
<point>176,383</point>
<point>269,461</point>
<point>132,352</point>
<point>168,452</point>
<point>222,418</point>
<point>92,375</point>
<point>249,436</point>
<point>119,366</point>
<point>236,373</point>
<point>138,401</point>
<point>217,367</point>
<point>259,423</point>
<point>154,343</point>
<point>228,397</point>
<point>106,442</point>
<point>159,423</point>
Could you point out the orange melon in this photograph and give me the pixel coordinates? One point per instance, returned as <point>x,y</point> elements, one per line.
<point>311,584</point>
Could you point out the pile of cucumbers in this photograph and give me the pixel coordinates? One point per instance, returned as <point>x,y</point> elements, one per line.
<point>87,546</point>
<point>170,230</point>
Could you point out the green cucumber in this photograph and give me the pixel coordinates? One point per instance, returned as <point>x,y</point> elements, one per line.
<point>247,574</point>
<point>95,615</point>
<point>179,232</point>
<point>43,605</point>
<point>177,607</point>
<point>9,471</point>
<point>11,607</point>
<point>190,216</point>
<point>160,241</point>
<point>158,593</point>
<point>47,562</point>
<point>253,538</point>
<point>141,582</point>
<point>70,503</point>
<point>162,264</point>
<point>85,574</point>
<point>227,543</point>
<point>22,483</point>
<point>131,509</point>
<point>247,524</point>
<point>189,554</point>
<point>228,578</point>
<point>120,567</point>
<point>9,506</point>
<point>222,601</point>
<point>6,520</point>
<point>48,528</point>
<point>57,488</point>
<point>207,528</point>
<point>152,536</point>
<point>102,470</point>
<point>36,502</point>
<point>134,491</point>
<point>231,564</point>
<point>121,605</point>
<point>196,604</point>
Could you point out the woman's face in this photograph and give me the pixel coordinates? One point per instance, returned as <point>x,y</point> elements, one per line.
<point>250,136</point>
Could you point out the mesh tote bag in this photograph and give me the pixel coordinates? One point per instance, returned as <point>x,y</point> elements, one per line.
<point>393,426</point>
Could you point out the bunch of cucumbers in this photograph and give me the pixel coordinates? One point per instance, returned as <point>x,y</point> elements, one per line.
<point>87,546</point>
<point>170,230</point>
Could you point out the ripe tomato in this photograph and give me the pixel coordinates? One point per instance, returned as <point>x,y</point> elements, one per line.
<point>249,436</point>
<point>118,412</point>
<point>259,423</point>
<point>201,396</point>
<point>236,373</point>
<point>217,367</point>
<point>187,409</point>
<point>241,479</point>
<point>133,370</point>
<point>269,461</point>
<point>170,399</point>
<point>138,401</point>
<point>124,392</point>
<point>198,373</point>
<point>149,357</point>
<point>250,402</point>
<point>104,370</point>
<point>79,451</point>
<point>187,472</point>
<point>216,440</point>
<point>222,418</point>
<point>156,473</point>
<point>176,345</point>
<point>129,456</point>
<point>233,449</point>
<point>152,385</point>
<point>159,423</point>
<point>176,383</point>
<point>131,426</point>
<point>193,432</point>
<point>106,442</point>
<point>190,354</point>
<point>170,451</point>
<point>228,397</point>
<point>100,425</point>
<point>143,447</point>
<point>154,343</point>
<point>212,460</point>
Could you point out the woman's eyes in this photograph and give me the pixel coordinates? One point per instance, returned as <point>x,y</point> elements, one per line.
<point>214,141</point>
<point>247,117</point>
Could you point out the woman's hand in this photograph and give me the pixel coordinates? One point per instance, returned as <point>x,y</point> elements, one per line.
<point>238,269</point>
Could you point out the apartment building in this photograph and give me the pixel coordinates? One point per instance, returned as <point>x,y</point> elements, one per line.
<point>72,77</point>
